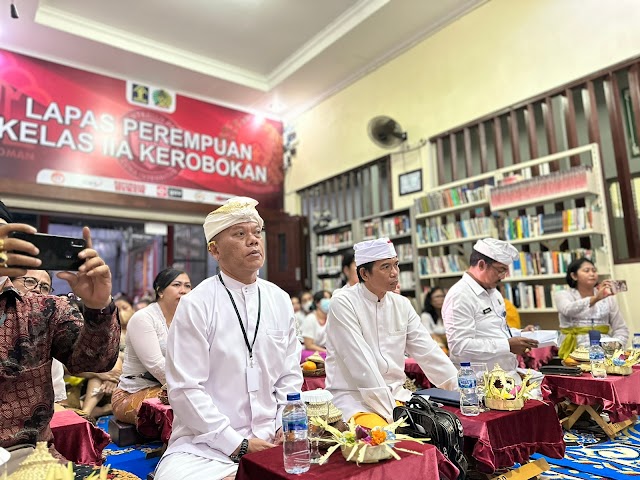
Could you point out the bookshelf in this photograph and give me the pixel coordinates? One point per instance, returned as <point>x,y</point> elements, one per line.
<point>328,248</point>
<point>398,226</point>
<point>330,244</point>
<point>552,218</point>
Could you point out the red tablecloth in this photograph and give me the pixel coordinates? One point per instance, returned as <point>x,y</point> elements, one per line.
<point>268,465</point>
<point>312,383</point>
<point>155,419</point>
<point>414,372</point>
<point>499,439</point>
<point>77,439</point>
<point>619,395</point>
<point>537,357</point>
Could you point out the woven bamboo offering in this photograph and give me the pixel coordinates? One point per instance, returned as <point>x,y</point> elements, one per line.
<point>503,393</point>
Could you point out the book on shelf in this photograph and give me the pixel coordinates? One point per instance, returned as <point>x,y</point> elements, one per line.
<point>546,262</point>
<point>553,184</point>
<point>532,297</point>
<point>434,265</point>
<point>335,240</point>
<point>451,197</point>
<point>434,230</point>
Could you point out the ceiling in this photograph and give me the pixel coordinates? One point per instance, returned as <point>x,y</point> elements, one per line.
<point>274,57</point>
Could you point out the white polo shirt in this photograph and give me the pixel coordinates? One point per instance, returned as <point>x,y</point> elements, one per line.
<point>476,327</point>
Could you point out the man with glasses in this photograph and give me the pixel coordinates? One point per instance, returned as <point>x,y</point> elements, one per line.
<point>474,313</point>
<point>36,328</point>
<point>39,281</point>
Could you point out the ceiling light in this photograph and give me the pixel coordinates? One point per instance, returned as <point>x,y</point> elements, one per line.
<point>14,11</point>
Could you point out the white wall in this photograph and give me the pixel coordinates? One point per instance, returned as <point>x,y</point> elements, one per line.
<point>500,54</point>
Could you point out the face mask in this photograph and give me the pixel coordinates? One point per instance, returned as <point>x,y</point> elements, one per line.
<point>307,305</point>
<point>324,304</point>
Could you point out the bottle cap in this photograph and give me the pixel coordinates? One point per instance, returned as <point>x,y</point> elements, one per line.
<point>293,396</point>
<point>465,364</point>
<point>594,335</point>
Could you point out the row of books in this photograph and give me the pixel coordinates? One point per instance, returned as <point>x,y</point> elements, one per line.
<point>435,231</point>
<point>387,227</point>
<point>547,262</point>
<point>335,240</point>
<point>328,283</point>
<point>329,264</point>
<point>404,251</point>
<point>527,296</point>
<point>435,265</point>
<point>555,184</point>
<point>527,226</point>
<point>407,280</point>
<point>451,197</point>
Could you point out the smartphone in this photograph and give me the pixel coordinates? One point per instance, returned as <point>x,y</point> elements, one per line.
<point>618,286</point>
<point>56,252</point>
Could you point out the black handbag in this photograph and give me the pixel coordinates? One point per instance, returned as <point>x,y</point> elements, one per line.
<point>443,428</point>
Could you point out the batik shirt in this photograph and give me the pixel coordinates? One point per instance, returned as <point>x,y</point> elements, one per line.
<point>33,329</point>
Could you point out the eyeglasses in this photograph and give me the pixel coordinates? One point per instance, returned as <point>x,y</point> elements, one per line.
<point>500,271</point>
<point>31,283</point>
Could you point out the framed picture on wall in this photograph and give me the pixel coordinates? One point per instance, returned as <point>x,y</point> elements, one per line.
<point>410,182</point>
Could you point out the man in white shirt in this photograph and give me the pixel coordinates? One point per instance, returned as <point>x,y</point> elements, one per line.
<point>369,328</point>
<point>232,355</point>
<point>474,314</point>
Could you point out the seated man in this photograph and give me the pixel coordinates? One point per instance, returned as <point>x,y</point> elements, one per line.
<point>474,312</point>
<point>368,330</point>
<point>36,328</point>
<point>39,281</point>
<point>232,355</point>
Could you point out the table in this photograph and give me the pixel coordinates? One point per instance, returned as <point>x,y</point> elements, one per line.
<point>498,439</point>
<point>414,372</point>
<point>77,439</point>
<point>537,357</point>
<point>155,419</point>
<point>411,369</point>
<point>268,465</point>
<point>618,395</point>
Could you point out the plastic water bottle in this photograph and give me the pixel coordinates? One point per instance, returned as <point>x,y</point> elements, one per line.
<point>469,404</point>
<point>596,357</point>
<point>295,429</point>
<point>636,341</point>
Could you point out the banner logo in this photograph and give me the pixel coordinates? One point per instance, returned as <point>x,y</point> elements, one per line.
<point>150,96</point>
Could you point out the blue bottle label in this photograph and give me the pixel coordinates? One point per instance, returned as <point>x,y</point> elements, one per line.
<point>294,424</point>
<point>466,383</point>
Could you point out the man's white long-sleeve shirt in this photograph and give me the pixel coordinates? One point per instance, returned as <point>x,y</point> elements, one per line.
<point>207,361</point>
<point>366,342</point>
<point>476,326</point>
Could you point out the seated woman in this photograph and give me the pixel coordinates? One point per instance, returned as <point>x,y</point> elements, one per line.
<point>146,346</point>
<point>587,305</point>
<point>431,316</point>
<point>100,387</point>
<point>313,327</point>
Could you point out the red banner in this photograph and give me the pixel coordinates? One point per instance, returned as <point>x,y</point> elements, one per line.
<point>68,127</point>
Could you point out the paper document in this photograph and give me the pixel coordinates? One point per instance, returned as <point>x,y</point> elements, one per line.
<point>545,338</point>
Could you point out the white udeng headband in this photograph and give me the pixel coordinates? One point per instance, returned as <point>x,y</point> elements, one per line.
<point>372,250</point>
<point>235,210</point>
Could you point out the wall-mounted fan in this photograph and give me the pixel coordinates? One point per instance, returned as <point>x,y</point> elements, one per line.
<point>386,132</point>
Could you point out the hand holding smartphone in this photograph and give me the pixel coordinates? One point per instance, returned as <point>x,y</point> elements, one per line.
<point>56,252</point>
<point>618,286</point>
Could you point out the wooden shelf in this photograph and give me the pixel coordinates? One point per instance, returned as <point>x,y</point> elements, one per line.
<point>441,275</point>
<point>555,236</point>
<point>529,278</point>
<point>452,241</point>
